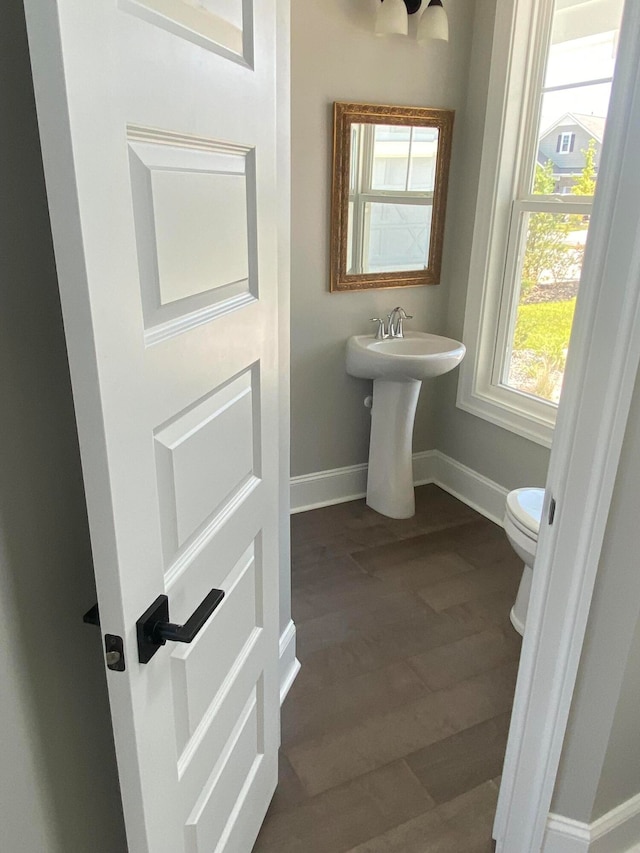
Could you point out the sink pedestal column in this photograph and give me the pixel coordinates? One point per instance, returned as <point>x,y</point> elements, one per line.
<point>390,478</point>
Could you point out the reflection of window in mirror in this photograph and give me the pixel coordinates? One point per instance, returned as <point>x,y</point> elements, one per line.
<point>388,179</point>
<point>391,197</point>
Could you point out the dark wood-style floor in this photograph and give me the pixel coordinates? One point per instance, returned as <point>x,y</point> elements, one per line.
<point>394,732</point>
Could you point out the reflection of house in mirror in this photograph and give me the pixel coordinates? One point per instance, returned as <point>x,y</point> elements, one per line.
<point>565,144</point>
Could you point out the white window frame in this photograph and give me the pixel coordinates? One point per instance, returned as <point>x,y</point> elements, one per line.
<point>565,137</point>
<point>521,37</point>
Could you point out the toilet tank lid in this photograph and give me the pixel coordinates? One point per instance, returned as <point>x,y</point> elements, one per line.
<point>525,505</point>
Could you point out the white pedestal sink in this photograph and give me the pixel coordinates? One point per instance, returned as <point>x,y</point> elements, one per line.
<point>397,367</point>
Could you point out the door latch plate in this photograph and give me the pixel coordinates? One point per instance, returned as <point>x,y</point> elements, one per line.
<point>114,652</point>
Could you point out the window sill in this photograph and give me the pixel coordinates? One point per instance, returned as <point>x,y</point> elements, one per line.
<point>504,408</point>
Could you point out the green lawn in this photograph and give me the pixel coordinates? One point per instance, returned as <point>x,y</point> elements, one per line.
<point>544,327</point>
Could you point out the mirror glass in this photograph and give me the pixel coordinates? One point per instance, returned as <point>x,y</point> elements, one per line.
<point>392,178</point>
<point>390,174</point>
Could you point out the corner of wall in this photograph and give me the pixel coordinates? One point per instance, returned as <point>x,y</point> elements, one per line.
<point>601,752</point>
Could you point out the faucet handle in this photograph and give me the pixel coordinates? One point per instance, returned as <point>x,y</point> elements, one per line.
<point>380,332</point>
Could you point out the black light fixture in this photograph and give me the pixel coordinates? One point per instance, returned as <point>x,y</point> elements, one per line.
<point>393,18</point>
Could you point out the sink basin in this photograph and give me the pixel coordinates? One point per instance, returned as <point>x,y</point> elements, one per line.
<point>397,367</point>
<point>418,355</point>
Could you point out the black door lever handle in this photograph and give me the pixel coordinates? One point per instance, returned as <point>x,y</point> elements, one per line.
<point>154,629</point>
<point>186,633</point>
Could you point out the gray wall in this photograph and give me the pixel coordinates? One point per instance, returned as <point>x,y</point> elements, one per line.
<point>620,778</point>
<point>58,787</point>
<point>336,57</point>
<point>600,765</point>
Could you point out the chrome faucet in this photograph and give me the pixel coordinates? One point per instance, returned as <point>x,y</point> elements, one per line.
<point>396,322</point>
<point>381,333</point>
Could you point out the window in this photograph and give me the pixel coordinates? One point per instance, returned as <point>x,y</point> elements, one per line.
<point>566,142</point>
<point>541,164</point>
<point>391,197</point>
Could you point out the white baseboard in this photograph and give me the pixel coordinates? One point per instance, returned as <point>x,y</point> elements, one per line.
<point>473,489</point>
<point>311,491</point>
<point>324,488</point>
<point>565,835</point>
<point>289,663</point>
<point>618,831</point>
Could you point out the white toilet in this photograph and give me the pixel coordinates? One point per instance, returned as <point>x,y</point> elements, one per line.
<point>522,525</point>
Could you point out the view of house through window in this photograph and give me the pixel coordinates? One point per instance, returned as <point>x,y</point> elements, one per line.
<point>550,219</point>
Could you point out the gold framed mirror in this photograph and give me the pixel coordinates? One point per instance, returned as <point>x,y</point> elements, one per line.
<point>390,176</point>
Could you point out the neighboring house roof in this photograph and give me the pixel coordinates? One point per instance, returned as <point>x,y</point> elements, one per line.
<point>593,125</point>
<point>570,162</point>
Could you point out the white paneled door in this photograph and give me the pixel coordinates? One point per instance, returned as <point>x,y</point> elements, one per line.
<point>157,120</point>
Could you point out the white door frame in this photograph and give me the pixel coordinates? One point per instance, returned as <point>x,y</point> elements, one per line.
<point>601,372</point>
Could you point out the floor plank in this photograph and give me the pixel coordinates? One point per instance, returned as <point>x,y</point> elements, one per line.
<point>445,666</point>
<point>457,764</point>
